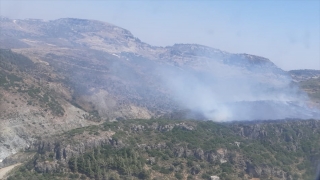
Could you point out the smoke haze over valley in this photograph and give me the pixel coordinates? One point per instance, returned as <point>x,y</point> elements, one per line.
<point>86,99</point>
<point>110,68</point>
<point>224,89</point>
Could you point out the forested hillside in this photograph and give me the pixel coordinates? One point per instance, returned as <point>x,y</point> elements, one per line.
<point>179,149</point>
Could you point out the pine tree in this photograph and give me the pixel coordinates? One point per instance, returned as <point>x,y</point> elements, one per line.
<point>98,171</point>
<point>75,165</point>
<point>89,169</point>
<point>105,175</point>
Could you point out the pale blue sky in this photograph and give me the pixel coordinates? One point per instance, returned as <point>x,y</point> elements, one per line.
<point>285,31</point>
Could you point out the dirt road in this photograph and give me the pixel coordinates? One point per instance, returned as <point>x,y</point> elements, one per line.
<point>5,170</point>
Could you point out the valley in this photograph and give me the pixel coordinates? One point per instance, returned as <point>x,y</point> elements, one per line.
<point>85,99</point>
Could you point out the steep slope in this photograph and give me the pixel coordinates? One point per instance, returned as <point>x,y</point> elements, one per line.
<point>29,107</point>
<point>108,62</point>
<point>72,33</point>
<point>69,73</point>
<point>162,149</point>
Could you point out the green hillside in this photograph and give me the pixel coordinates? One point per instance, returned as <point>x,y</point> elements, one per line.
<point>184,149</point>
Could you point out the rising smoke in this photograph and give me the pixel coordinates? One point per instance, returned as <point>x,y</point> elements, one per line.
<point>223,92</point>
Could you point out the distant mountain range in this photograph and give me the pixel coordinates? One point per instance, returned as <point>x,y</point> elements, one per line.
<point>67,73</point>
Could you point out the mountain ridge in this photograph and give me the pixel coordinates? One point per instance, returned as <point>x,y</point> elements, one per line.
<point>65,74</point>
<point>99,42</point>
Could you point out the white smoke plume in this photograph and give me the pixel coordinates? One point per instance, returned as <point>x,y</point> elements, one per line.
<point>222,92</point>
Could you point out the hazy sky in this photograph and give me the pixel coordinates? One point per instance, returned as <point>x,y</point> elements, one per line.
<point>285,31</point>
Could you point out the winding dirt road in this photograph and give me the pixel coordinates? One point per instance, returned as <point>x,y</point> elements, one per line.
<point>4,171</point>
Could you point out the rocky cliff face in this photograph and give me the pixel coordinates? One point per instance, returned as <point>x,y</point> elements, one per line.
<point>200,150</point>
<point>71,33</point>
